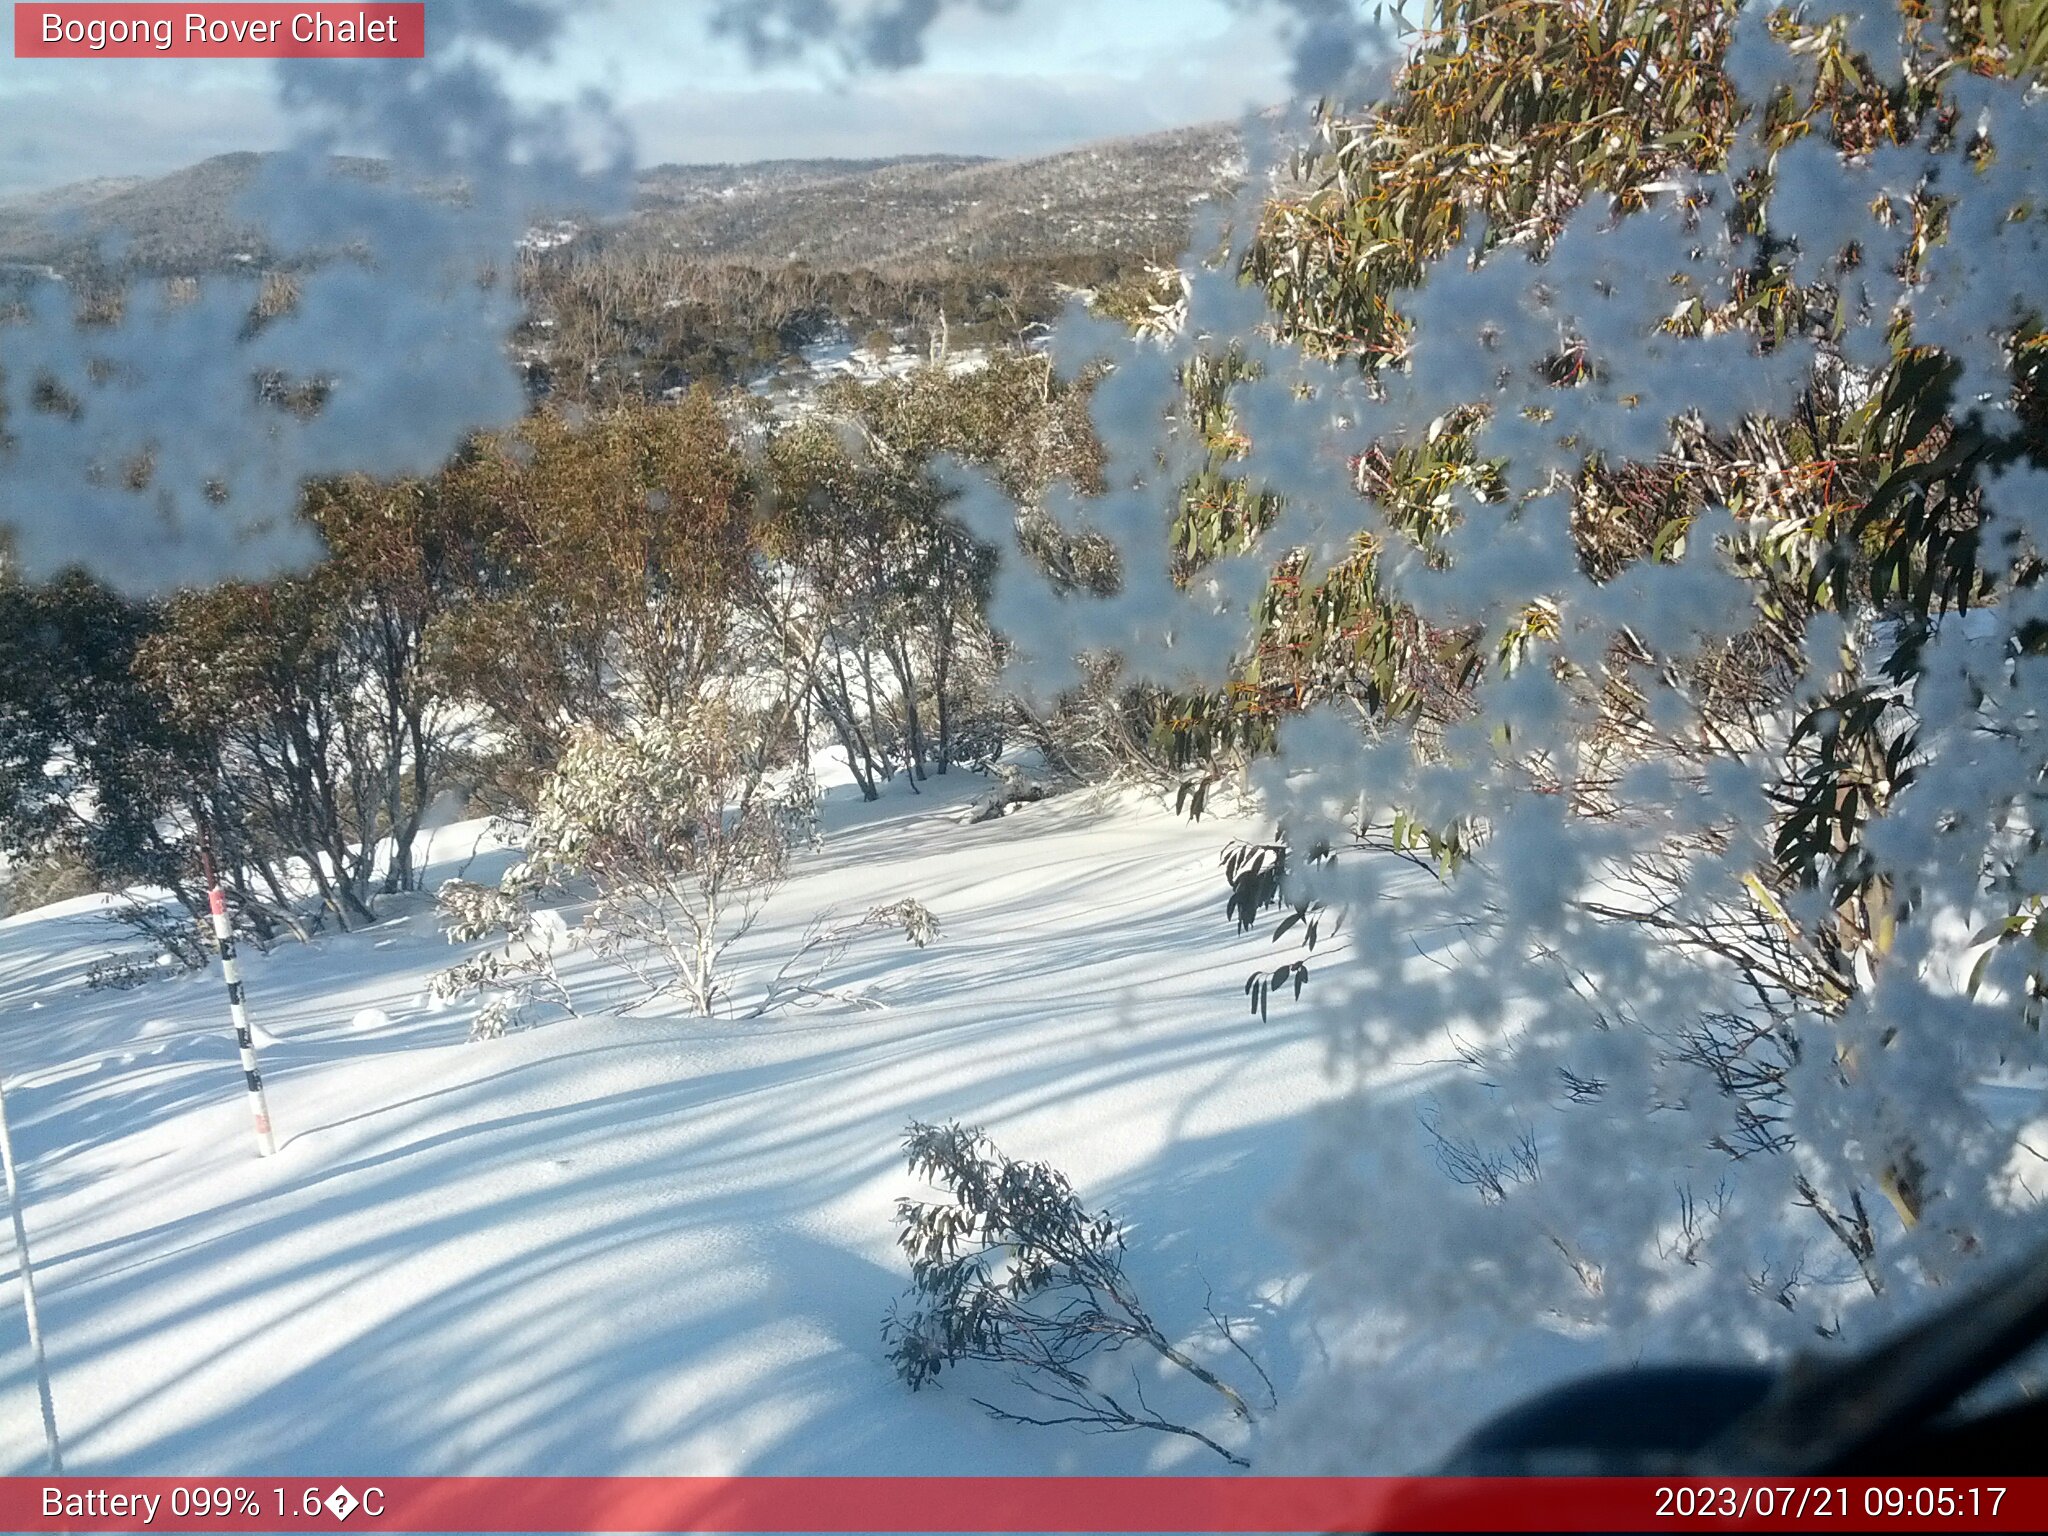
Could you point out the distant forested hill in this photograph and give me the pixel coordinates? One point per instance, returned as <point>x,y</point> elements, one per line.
<point>1126,196</point>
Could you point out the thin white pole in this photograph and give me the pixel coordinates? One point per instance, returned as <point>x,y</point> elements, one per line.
<point>28,1292</point>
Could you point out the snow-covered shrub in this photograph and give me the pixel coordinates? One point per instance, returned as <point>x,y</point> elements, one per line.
<point>1011,788</point>
<point>520,971</point>
<point>978,740</point>
<point>122,972</point>
<point>680,827</point>
<point>1012,1270</point>
<point>801,979</point>
<point>1101,728</point>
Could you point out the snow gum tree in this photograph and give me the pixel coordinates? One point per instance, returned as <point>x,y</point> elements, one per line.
<point>612,549</point>
<point>857,554</point>
<point>873,590</point>
<point>297,717</point>
<point>88,757</point>
<point>317,733</point>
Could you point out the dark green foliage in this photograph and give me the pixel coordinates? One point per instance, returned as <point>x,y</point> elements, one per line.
<point>1012,1270</point>
<point>88,755</point>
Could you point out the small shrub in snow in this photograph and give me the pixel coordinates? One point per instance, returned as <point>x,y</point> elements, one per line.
<point>678,828</point>
<point>1010,790</point>
<point>520,971</point>
<point>51,876</point>
<point>800,979</point>
<point>120,973</point>
<point>1010,1269</point>
<point>978,740</point>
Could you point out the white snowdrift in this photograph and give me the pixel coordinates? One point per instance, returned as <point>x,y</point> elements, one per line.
<point>656,1245</point>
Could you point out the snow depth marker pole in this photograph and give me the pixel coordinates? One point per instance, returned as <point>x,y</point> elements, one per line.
<point>28,1293</point>
<point>224,937</point>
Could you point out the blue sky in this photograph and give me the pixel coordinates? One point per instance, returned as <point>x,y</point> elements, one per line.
<point>1047,74</point>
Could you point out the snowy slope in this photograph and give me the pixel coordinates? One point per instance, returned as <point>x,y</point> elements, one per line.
<point>641,1245</point>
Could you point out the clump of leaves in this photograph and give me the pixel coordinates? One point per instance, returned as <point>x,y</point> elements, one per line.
<point>1011,1269</point>
<point>918,923</point>
<point>520,971</point>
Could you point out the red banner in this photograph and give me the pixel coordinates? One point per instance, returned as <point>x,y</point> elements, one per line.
<point>1007,1504</point>
<point>216,31</point>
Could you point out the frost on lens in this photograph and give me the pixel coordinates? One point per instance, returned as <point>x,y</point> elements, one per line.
<point>1629,614</point>
<point>158,435</point>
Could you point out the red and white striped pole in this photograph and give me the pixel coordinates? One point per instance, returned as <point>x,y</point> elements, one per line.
<point>224,938</point>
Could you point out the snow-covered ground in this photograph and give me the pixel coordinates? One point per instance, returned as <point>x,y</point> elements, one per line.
<point>646,1244</point>
<point>791,387</point>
